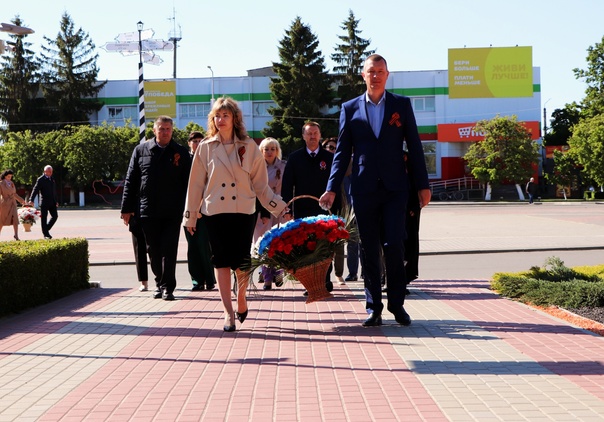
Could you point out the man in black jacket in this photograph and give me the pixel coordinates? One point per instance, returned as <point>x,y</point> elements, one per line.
<point>156,182</point>
<point>47,189</point>
<point>306,173</point>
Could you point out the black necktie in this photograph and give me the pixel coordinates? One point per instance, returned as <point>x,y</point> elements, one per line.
<point>312,154</point>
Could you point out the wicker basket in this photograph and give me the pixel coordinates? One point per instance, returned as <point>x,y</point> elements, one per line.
<point>312,278</point>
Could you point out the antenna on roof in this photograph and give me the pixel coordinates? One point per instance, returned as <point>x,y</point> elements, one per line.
<point>174,36</point>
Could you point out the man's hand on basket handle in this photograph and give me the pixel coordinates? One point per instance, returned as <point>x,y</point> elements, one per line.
<point>286,214</point>
<point>326,200</point>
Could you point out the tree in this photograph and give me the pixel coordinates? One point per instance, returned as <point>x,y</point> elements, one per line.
<point>21,152</point>
<point>70,75</point>
<point>19,85</point>
<point>92,153</point>
<point>587,147</point>
<point>593,103</point>
<point>507,153</point>
<point>563,120</point>
<point>565,171</point>
<point>301,88</point>
<point>350,57</point>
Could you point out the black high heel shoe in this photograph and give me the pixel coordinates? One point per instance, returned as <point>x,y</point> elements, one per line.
<point>241,316</point>
<point>229,328</point>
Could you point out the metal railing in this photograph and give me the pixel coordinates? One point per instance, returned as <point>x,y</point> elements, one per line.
<point>455,189</point>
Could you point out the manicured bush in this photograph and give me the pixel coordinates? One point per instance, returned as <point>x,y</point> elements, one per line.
<point>554,284</point>
<point>36,272</point>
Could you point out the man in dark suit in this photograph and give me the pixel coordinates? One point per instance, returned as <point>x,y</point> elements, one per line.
<point>376,126</point>
<point>46,187</point>
<point>156,183</point>
<point>306,173</point>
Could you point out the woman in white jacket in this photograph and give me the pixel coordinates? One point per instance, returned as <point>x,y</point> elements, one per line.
<point>227,175</point>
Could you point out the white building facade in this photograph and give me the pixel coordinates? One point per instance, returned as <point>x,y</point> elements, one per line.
<point>445,124</point>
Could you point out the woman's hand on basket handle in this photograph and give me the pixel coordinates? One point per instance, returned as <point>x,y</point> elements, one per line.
<point>286,214</point>
<point>326,200</point>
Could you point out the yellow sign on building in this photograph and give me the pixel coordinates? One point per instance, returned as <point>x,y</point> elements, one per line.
<point>160,99</point>
<point>500,72</point>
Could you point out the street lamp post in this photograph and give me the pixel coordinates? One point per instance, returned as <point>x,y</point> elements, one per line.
<point>141,85</point>
<point>212,100</point>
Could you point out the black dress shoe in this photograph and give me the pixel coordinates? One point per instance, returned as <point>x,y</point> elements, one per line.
<point>241,316</point>
<point>267,287</point>
<point>157,294</point>
<point>329,286</point>
<point>168,296</point>
<point>401,316</point>
<point>374,320</point>
<point>197,287</point>
<point>305,293</point>
<point>210,286</point>
<point>351,277</point>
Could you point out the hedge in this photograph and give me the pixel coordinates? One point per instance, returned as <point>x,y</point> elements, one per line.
<point>36,272</point>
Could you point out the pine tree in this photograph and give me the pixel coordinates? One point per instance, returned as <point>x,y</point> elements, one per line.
<point>301,88</point>
<point>70,75</point>
<point>19,85</point>
<point>350,57</point>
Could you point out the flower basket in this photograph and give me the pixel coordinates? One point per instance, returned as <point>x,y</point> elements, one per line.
<point>312,277</point>
<point>28,217</point>
<point>304,248</point>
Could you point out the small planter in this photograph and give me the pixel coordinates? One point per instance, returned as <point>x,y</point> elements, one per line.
<point>26,227</point>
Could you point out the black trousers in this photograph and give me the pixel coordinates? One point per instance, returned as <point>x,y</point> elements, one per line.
<point>199,255</point>
<point>47,225</point>
<point>381,223</point>
<point>140,249</point>
<point>161,236</point>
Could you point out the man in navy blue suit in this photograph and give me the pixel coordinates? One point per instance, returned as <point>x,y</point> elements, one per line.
<point>378,126</point>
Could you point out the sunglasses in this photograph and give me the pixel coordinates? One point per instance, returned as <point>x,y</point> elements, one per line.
<point>330,147</point>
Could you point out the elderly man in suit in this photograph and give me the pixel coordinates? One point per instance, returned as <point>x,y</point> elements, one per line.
<point>49,201</point>
<point>377,126</point>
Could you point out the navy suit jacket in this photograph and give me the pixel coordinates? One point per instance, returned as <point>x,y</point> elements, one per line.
<point>382,158</point>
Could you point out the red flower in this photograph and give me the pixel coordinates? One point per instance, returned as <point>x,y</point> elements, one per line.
<point>241,151</point>
<point>176,159</point>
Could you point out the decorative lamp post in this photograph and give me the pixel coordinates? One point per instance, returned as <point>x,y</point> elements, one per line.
<point>212,100</point>
<point>141,85</point>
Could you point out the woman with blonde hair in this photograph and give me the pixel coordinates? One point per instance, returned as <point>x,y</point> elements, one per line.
<point>271,150</point>
<point>227,175</point>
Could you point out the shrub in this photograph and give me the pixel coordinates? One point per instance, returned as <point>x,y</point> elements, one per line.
<point>37,272</point>
<point>553,284</point>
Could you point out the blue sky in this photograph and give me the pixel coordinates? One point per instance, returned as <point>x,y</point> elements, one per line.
<point>238,35</point>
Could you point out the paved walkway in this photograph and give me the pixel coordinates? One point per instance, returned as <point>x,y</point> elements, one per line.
<point>115,354</point>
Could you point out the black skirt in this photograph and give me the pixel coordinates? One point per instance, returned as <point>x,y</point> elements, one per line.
<point>230,238</point>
